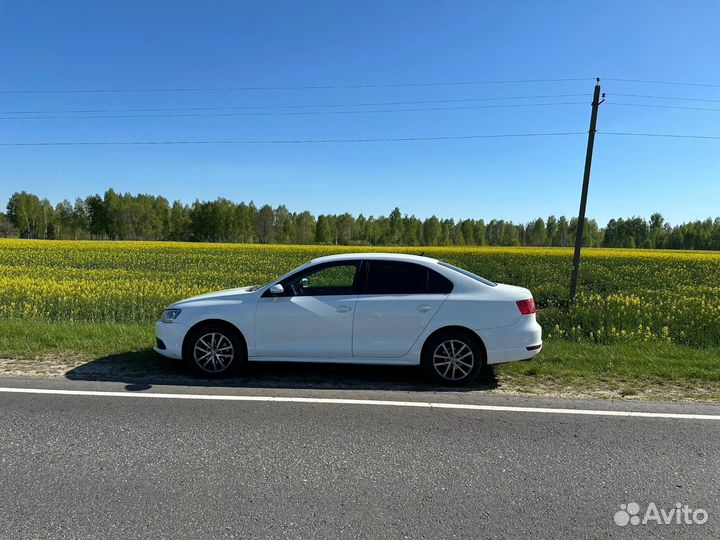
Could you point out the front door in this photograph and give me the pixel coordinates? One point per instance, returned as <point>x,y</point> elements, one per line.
<point>314,315</point>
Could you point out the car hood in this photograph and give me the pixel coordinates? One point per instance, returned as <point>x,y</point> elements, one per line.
<point>227,294</point>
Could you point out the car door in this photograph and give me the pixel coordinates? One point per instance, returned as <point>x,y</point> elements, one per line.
<point>313,317</point>
<point>396,302</point>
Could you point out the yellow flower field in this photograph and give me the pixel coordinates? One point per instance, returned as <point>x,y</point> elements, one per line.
<point>624,295</point>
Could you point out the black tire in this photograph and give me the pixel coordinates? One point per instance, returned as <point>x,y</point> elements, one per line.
<point>214,350</point>
<point>453,358</point>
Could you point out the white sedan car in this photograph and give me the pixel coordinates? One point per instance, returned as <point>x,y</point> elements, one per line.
<point>360,308</point>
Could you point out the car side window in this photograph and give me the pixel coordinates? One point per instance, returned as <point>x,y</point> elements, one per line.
<point>438,284</point>
<point>327,280</point>
<point>395,277</point>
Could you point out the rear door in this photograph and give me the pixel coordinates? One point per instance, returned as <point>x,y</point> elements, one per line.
<point>396,302</point>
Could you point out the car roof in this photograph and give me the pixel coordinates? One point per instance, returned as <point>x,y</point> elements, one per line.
<point>376,256</point>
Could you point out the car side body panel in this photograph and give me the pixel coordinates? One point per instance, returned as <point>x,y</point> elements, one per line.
<point>387,326</point>
<point>305,326</point>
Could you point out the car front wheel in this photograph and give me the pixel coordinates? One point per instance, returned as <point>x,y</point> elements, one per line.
<point>452,358</point>
<point>214,351</point>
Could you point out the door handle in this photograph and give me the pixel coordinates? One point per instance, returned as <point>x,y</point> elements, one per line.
<point>343,309</point>
<point>423,308</point>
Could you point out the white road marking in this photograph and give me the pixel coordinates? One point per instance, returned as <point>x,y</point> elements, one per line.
<point>387,403</point>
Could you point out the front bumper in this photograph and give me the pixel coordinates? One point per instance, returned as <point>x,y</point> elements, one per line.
<point>521,341</point>
<point>171,335</point>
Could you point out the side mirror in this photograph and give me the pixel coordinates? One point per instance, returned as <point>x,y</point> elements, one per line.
<point>277,290</point>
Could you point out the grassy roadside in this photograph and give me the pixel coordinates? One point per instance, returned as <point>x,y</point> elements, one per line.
<point>647,370</point>
<point>644,370</point>
<point>82,340</point>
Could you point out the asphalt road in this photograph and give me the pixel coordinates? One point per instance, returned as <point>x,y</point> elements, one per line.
<point>113,467</point>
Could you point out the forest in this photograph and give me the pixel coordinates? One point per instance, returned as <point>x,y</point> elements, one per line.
<point>124,216</point>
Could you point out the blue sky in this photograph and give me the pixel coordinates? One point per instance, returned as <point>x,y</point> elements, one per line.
<point>135,45</point>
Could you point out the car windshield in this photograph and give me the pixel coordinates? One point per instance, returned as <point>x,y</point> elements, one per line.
<point>468,274</point>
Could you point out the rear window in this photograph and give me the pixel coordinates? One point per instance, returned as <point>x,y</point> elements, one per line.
<point>468,274</point>
<point>395,277</point>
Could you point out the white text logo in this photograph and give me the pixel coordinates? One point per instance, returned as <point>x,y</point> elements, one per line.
<point>629,514</point>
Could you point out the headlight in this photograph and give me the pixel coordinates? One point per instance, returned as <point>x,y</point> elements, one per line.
<point>169,315</point>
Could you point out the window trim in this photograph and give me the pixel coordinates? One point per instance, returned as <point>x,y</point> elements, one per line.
<point>358,263</point>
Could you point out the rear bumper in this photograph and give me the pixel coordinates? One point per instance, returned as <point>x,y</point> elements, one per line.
<point>171,335</point>
<point>521,341</point>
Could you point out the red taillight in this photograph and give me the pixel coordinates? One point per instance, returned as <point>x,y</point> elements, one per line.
<point>526,307</point>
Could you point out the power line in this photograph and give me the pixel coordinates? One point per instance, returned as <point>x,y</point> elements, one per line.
<point>667,97</point>
<point>309,87</point>
<point>350,86</point>
<point>331,141</point>
<point>657,106</point>
<point>665,135</point>
<point>294,113</point>
<point>676,83</point>
<point>314,105</point>
<point>294,141</point>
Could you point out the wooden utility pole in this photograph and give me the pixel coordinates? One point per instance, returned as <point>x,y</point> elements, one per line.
<point>586,182</point>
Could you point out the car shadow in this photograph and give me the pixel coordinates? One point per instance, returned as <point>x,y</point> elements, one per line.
<point>140,370</point>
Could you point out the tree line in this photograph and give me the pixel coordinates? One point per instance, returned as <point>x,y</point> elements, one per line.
<point>123,216</point>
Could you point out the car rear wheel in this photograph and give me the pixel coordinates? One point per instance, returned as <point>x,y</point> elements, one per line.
<point>214,351</point>
<point>453,358</point>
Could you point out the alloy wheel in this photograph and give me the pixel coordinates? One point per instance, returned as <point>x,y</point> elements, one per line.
<point>213,352</point>
<point>453,360</point>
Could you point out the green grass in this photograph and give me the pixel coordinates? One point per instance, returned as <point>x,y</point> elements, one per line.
<point>645,369</point>
<point>24,339</point>
<point>649,370</point>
